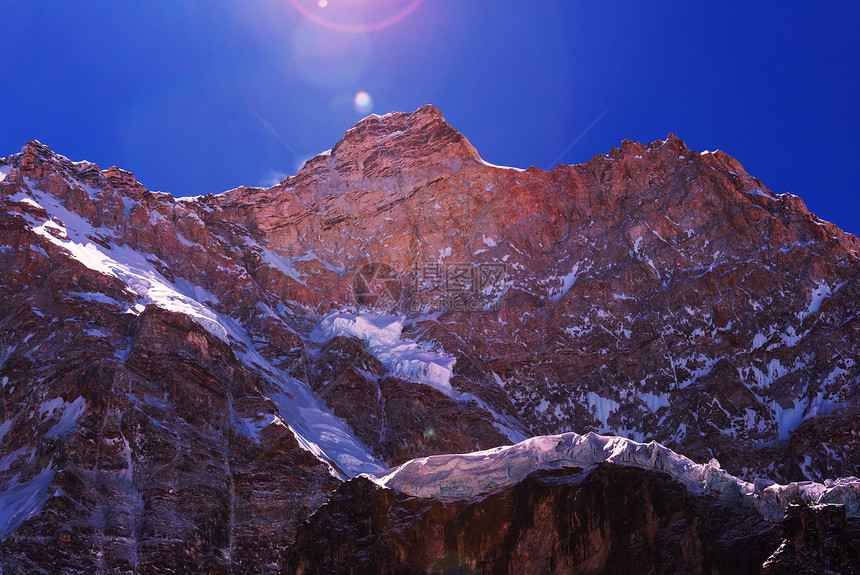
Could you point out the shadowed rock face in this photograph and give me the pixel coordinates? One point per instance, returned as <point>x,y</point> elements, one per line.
<point>165,404</point>
<point>610,520</point>
<point>396,418</point>
<point>156,478</point>
<point>817,539</point>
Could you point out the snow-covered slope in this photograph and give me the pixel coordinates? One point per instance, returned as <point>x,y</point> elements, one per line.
<point>382,334</point>
<point>101,250</point>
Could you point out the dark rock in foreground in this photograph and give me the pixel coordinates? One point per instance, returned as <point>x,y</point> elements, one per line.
<point>610,520</point>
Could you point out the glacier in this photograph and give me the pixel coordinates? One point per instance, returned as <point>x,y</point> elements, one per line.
<point>469,475</point>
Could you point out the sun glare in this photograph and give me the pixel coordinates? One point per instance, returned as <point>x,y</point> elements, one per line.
<point>356,17</point>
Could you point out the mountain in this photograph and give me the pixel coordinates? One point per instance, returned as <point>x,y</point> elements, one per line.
<point>187,381</point>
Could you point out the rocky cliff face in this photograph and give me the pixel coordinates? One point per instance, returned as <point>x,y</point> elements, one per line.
<point>185,379</point>
<point>610,520</point>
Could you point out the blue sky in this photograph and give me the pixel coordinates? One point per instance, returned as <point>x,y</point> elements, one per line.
<point>203,96</point>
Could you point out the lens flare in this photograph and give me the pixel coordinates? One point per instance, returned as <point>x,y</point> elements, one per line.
<point>329,21</point>
<point>362,102</point>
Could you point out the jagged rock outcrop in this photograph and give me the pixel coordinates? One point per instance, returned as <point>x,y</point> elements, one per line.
<point>612,519</point>
<point>174,391</point>
<point>817,539</point>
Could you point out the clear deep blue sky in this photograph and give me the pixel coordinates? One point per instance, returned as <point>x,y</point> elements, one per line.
<point>203,96</point>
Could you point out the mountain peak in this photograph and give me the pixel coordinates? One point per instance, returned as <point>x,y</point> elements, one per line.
<point>37,147</point>
<point>423,115</point>
<point>33,154</point>
<point>395,143</point>
<point>38,159</point>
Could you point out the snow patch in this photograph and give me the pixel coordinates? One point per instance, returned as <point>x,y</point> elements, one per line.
<point>381,334</point>
<point>67,412</point>
<point>5,426</point>
<point>489,165</point>
<point>122,262</point>
<point>796,245</point>
<point>182,200</point>
<point>407,359</point>
<point>790,337</point>
<point>21,501</point>
<point>28,202</point>
<point>542,406</point>
<point>128,204</point>
<point>788,418</point>
<point>97,297</point>
<point>315,427</point>
<point>696,373</point>
<point>759,192</point>
<point>252,426</point>
<point>654,401</point>
<point>602,408</point>
<point>567,282</point>
<point>820,292</point>
<point>311,255</point>
<point>278,262</point>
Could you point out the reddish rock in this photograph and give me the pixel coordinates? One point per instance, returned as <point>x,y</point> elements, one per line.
<point>817,540</point>
<point>653,292</point>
